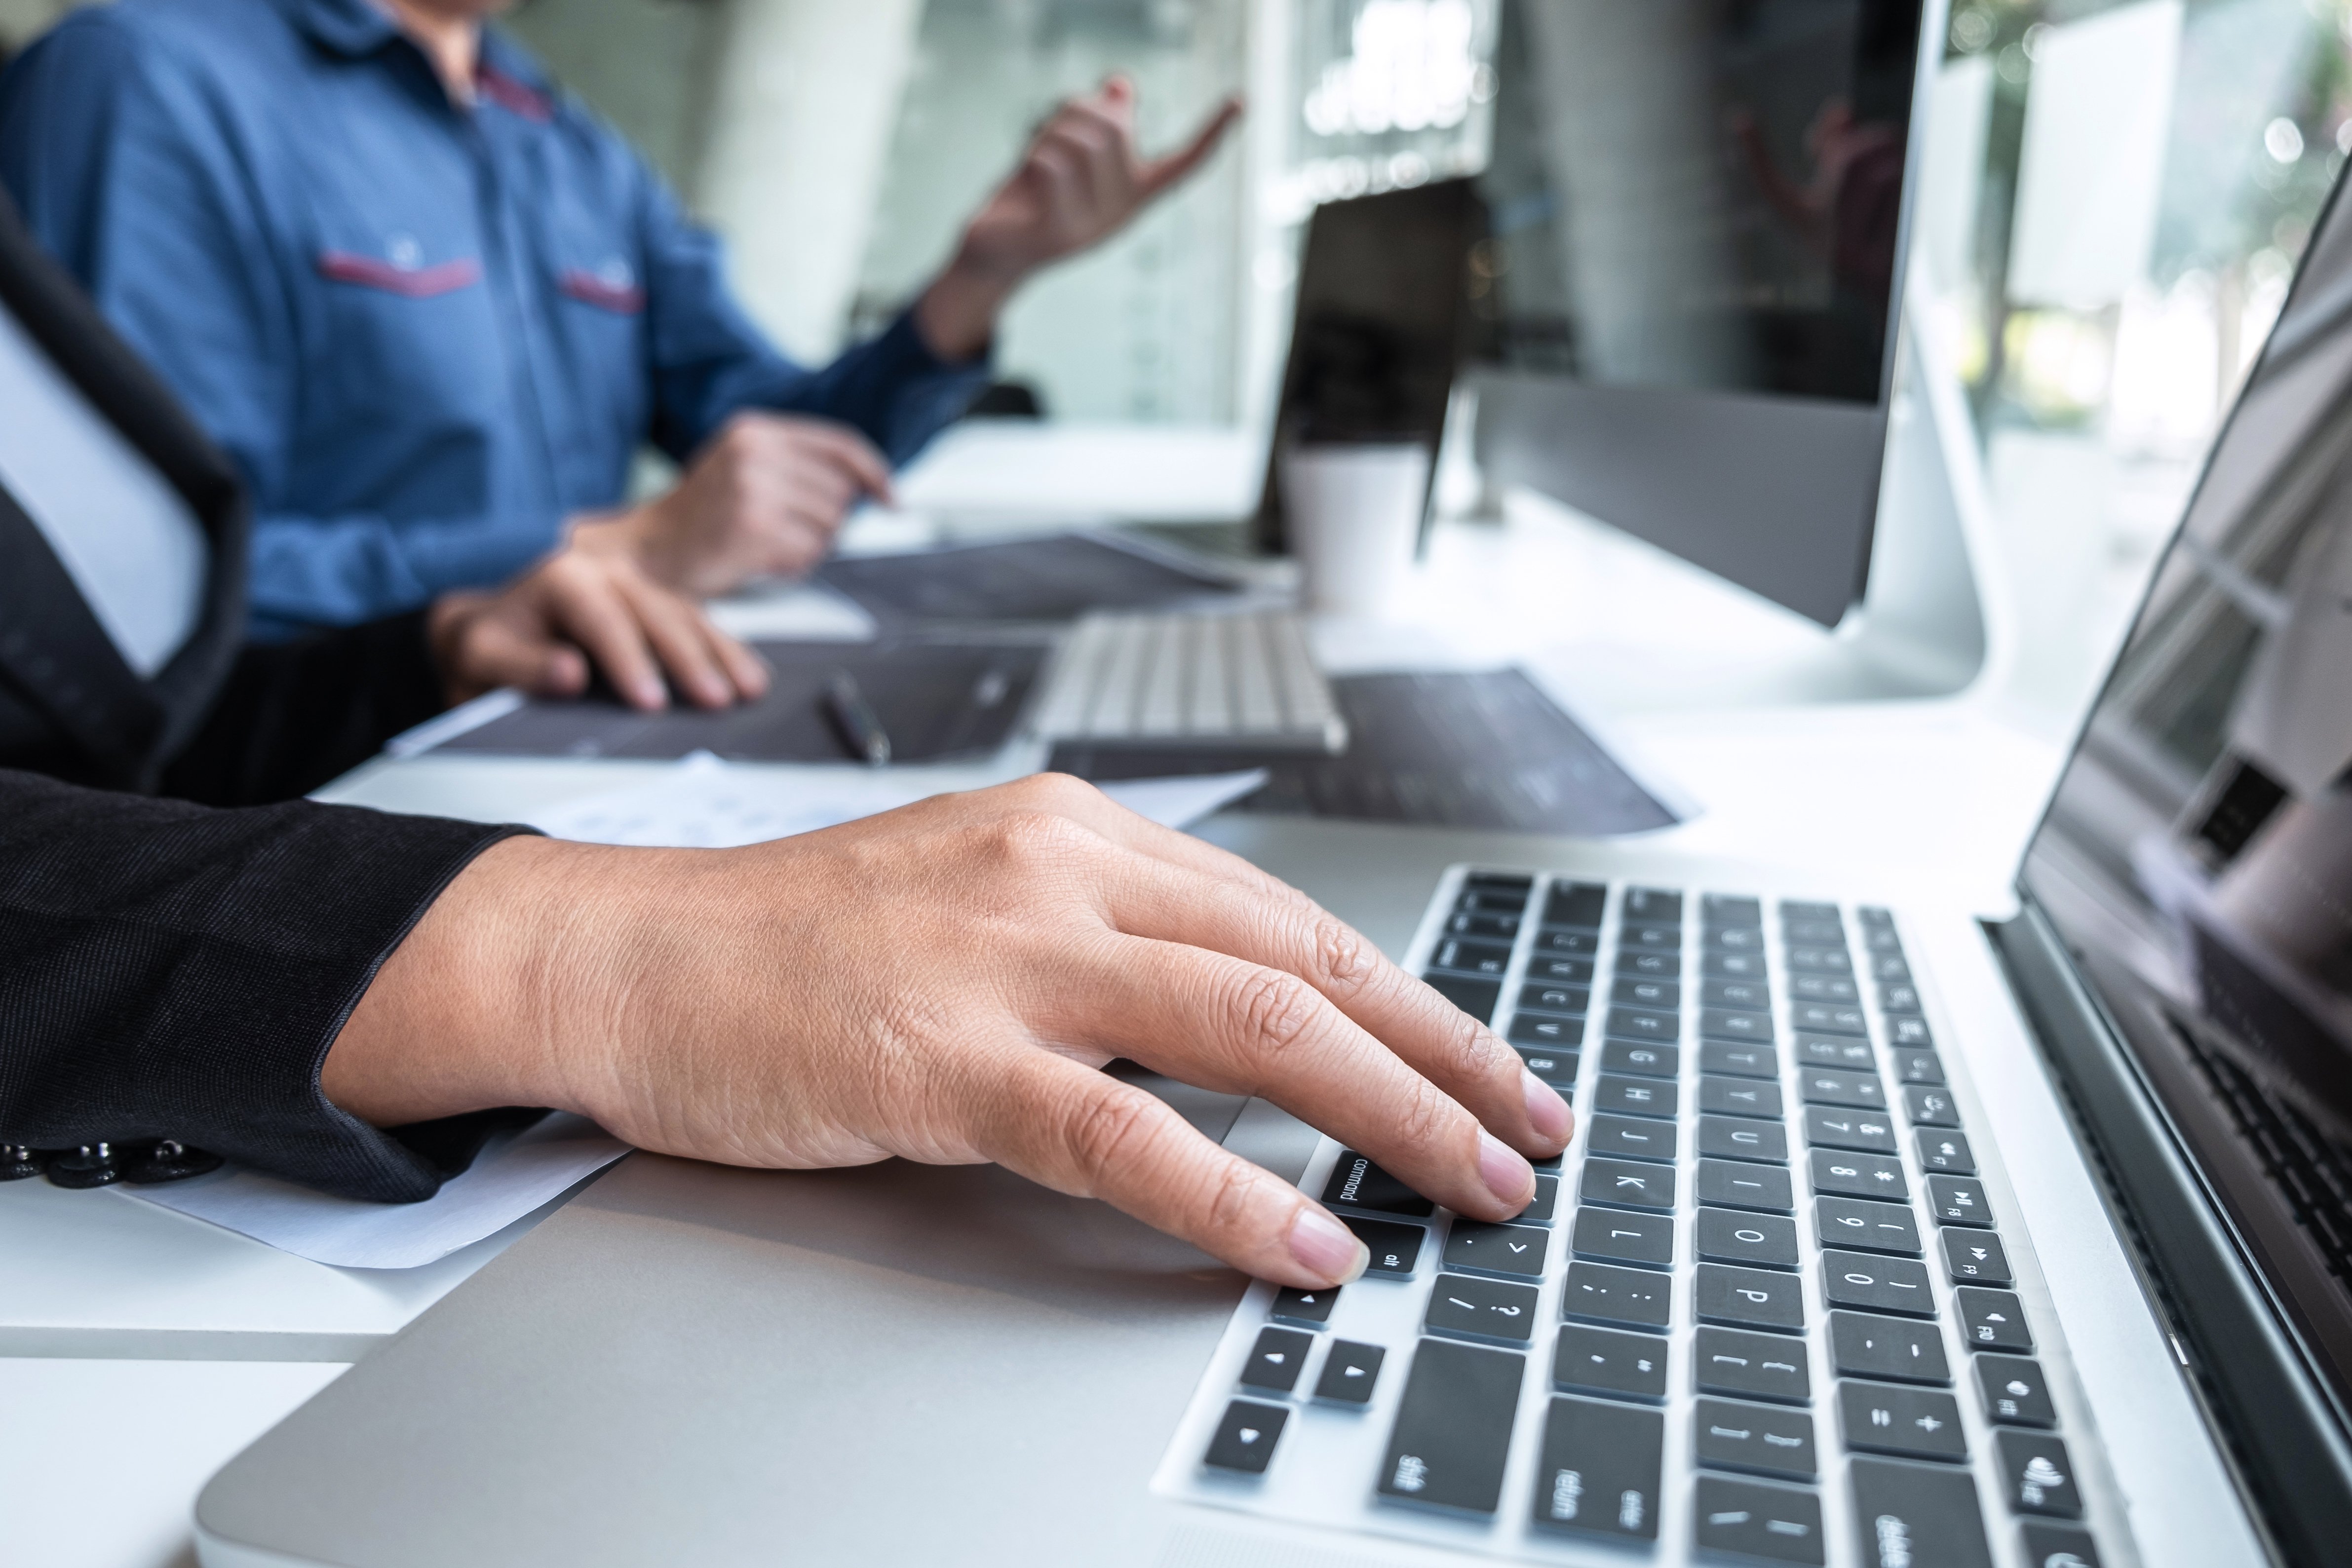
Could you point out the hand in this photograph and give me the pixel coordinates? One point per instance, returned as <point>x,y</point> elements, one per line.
<point>1082,180</point>
<point>763,498</point>
<point>941,983</point>
<point>541,631</point>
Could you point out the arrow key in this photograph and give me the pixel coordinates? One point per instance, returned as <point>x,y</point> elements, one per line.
<point>1349,1371</point>
<point>1245,1438</point>
<point>1276,1359</point>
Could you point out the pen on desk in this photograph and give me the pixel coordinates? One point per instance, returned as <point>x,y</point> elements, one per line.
<point>854,717</point>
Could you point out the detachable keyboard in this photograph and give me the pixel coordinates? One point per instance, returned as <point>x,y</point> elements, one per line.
<point>1774,1304</point>
<point>1196,678</point>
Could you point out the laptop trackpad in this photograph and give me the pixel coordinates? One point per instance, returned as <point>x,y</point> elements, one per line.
<point>1263,1134</point>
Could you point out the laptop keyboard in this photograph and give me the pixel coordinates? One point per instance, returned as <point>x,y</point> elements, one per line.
<point>1765,1307</point>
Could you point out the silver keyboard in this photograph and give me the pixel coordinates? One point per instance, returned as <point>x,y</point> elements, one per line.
<point>1776,1304</point>
<point>1184,679</point>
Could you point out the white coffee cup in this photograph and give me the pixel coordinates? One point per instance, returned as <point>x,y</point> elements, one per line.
<point>1352,517</point>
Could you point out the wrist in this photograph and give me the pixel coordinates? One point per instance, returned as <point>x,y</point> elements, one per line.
<point>957,314</point>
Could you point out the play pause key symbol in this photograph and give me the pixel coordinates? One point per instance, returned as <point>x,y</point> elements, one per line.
<point>1245,1438</point>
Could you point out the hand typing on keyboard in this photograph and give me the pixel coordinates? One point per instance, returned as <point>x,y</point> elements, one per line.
<point>941,983</point>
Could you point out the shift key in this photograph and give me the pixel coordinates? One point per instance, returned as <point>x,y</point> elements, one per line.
<point>1453,1429</point>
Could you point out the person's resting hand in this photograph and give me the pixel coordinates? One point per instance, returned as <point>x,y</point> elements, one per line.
<point>541,632</point>
<point>763,497</point>
<point>1082,180</point>
<point>942,983</point>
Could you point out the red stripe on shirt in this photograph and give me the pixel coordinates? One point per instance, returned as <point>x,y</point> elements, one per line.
<point>416,282</point>
<point>591,290</point>
<point>517,97</point>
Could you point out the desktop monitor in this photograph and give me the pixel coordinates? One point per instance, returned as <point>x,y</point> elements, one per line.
<point>1699,210</point>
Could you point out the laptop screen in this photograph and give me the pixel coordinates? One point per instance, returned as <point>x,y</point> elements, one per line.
<point>2198,854</point>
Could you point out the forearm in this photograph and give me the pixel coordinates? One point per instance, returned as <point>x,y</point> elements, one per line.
<point>957,315</point>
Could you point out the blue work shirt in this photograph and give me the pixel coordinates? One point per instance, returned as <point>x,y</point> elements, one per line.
<point>427,333</point>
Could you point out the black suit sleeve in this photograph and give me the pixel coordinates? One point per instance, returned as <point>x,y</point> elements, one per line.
<point>169,970</point>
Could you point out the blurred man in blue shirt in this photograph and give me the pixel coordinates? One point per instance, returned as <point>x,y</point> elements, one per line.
<point>431,306</point>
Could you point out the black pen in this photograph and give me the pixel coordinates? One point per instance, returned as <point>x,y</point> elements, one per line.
<point>854,717</point>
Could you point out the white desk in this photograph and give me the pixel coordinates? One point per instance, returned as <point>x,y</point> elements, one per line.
<point>130,1313</point>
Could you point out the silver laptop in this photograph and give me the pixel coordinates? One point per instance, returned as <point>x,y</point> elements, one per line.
<point>1888,1239</point>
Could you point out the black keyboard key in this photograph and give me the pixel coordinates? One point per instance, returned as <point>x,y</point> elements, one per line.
<point>2058,1546</point>
<point>1245,1436</point>
<point>1929,1107</point>
<point>1293,1306</point>
<point>1723,1023</point>
<point>1479,899</point>
<point>1656,965</point>
<point>1622,1185</point>
<point>2038,1474</point>
<point>1544,1030</point>
<point>1542,996</point>
<point>1910,1033</point>
<point>1360,1184</point>
<point>1490,927</point>
<point>1835,1050</point>
<point>1900,999</point>
<point>1733,1185</point>
<point>1749,1299</point>
<point>1640,1024</point>
<point>1882,939</point>
<point>1922,1067</point>
<point>1743,1517</point>
<point>1731,909</point>
<point>1481,1309</point>
<point>1575,904</point>
<point>1889,966</point>
<point>1822,988</point>
<point>1844,1175</point>
<point>1975,1257</point>
<point>1546,1202</point>
<point>1511,881</point>
<point>1945,1152</point>
<point>1276,1360</point>
<point>1865,1227</point>
<point>1740,1097</point>
<point>1992,1320</point>
<point>1557,1068</point>
<point>1821,960</point>
<point>1476,998</point>
<point>1464,956</point>
<point>1747,995</point>
<point>1553,970</point>
<point>1753,1241</point>
<point>1757,1437</point>
<point>1349,1371</point>
<point>1651,938</point>
<point>1395,1249</point>
<point>1836,1127</point>
<point>1804,909</point>
<point>1873,1284</point>
<point>1657,905</point>
<point>1875,917</point>
<point>1600,1468</point>
<point>1568,944</point>
<point>1613,1236</point>
<point>1635,1096</point>
<point>1631,1137</point>
<point>1862,1090</point>
<point>2014,1391</point>
<point>1862,1345</point>
<point>1958,1200</point>
<point>1628,1298</point>
<point>1722,965</point>
<point>1726,1139</point>
<point>1641,991</point>
<point>1751,1365</point>
<point>1610,1363</point>
<point>1732,938</point>
<point>1909,1516</point>
<point>1641,1061</point>
<point>1812,930</point>
<point>1453,1429</point>
<point>1719,1059</point>
<point>1513,1251</point>
<point>1916,1423</point>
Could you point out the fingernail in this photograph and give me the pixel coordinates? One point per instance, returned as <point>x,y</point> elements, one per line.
<point>1506,1174</point>
<point>1547,1111</point>
<point>1325,1248</point>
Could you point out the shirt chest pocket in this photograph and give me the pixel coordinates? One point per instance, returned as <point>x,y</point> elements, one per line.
<point>407,335</point>
<point>597,312</point>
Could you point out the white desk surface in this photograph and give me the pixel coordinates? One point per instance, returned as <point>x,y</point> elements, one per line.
<point>111,1310</point>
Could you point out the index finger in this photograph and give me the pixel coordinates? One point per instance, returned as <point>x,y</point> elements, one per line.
<point>866,466</point>
<point>1161,172</point>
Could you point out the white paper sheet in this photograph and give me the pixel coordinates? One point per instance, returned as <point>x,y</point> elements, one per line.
<point>705,803</point>
<point>514,1174</point>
